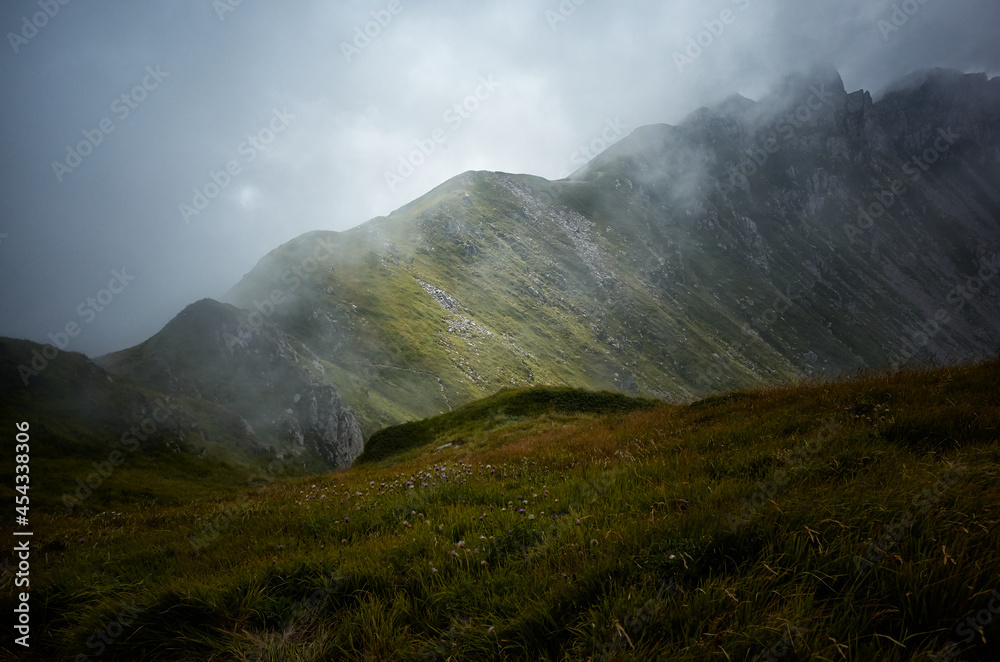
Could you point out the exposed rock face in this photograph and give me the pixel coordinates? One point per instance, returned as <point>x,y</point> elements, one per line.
<point>865,221</point>
<point>444,299</point>
<point>323,424</point>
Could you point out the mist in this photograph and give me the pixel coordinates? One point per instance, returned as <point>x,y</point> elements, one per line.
<point>153,154</point>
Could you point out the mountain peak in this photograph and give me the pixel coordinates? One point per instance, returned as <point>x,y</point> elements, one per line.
<point>935,81</point>
<point>793,90</point>
<point>798,88</point>
<point>241,360</point>
<point>734,106</point>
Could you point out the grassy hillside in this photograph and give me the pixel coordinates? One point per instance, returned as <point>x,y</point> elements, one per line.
<point>477,419</point>
<point>672,265</point>
<point>538,294</point>
<point>848,521</point>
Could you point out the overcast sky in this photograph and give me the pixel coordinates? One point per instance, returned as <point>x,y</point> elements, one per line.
<point>309,113</point>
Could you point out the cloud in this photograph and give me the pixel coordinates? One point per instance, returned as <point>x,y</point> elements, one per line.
<point>561,81</point>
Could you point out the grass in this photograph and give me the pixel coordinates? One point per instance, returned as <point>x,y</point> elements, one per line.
<point>530,286</point>
<point>847,521</point>
<point>481,416</point>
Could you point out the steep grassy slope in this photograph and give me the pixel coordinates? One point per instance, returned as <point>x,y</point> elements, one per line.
<point>844,521</point>
<point>397,354</point>
<point>513,296</point>
<point>727,251</point>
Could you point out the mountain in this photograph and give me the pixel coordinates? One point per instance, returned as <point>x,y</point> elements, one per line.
<point>99,441</point>
<point>801,236</point>
<point>810,233</point>
<point>226,356</point>
<point>804,235</point>
<point>214,402</point>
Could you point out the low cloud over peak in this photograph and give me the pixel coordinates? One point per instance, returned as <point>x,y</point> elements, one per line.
<point>383,101</point>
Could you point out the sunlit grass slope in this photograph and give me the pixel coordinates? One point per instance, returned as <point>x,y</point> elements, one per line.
<point>848,521</point>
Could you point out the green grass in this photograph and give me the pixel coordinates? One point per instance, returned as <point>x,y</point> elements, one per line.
<point>507,406</point>
<point>846,521</point>
<point>544,312</point>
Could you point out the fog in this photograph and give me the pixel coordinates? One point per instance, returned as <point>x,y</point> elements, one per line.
<point>153,152</point>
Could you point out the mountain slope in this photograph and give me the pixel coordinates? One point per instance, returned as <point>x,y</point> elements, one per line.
<point>480,417</point>
<point>99,441</point>
<point>235,359</point>
<point>854,520</point>
<point>808,234</point>
<point>835,233</point>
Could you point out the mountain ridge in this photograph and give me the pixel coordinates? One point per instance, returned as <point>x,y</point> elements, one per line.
<point>582,225</point>
<point>805,235</point>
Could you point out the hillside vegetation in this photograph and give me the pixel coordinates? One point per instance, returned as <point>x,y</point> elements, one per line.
<point>673,265</point>
<point>846,521</point>
<point>479,417</point>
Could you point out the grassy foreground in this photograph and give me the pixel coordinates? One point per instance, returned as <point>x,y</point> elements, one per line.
<point>848,521</point>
